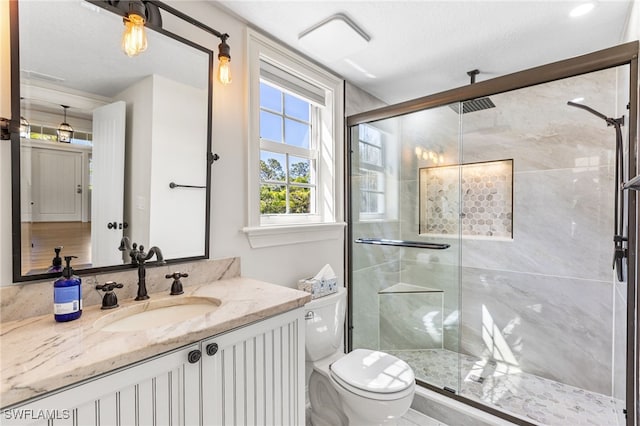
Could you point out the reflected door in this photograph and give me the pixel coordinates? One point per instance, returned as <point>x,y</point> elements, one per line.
<point>57,186</point>
<point>107,193</point>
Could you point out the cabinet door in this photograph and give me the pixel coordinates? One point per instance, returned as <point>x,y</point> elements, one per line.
<point>160,391</point>
<point>256,376</point>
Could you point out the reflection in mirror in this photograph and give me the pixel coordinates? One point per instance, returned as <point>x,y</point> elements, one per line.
<point>139,123</point>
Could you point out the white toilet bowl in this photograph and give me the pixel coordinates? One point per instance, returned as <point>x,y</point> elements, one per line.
<point>361,388</point>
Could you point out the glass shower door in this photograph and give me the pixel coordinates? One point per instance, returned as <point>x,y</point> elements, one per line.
<point>543,314</point>
<point>405,192</point>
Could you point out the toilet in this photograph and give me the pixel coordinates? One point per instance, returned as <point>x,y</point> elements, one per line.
<point>361,388</point>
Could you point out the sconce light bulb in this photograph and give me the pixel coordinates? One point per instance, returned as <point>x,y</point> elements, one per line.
<point>224,70</point>
<point>134,38</point>
<point>418,151</point>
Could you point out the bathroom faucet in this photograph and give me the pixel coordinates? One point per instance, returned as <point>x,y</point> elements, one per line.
<point>140,258</point>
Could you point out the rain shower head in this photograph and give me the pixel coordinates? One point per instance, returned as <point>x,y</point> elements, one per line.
<point>473,105</point>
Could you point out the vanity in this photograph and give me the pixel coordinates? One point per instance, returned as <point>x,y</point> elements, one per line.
<point>241,362</point>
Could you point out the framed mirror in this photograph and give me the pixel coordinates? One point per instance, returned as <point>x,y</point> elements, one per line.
<point>138,162</point>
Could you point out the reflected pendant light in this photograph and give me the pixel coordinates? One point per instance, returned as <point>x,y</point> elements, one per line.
<point>134,38</point>
<point>25,127</point>
<point>65,131</point>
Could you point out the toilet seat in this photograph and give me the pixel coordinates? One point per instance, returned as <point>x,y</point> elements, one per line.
<point>373,375</point>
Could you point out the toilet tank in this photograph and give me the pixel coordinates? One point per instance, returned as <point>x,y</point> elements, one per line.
<point>324,321</point>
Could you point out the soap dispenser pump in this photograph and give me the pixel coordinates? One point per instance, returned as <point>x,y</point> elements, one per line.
<point>67,294</point>
<point>56,262</point>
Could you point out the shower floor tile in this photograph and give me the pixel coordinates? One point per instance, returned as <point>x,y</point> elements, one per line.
<point>536,399</point>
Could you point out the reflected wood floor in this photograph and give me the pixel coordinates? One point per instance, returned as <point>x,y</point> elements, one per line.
<point>40,238</point>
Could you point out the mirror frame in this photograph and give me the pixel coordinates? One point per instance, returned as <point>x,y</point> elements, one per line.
<point>15,147</point>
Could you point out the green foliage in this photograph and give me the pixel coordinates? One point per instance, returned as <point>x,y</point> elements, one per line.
<point>271,170</point>
<point>273,198</point>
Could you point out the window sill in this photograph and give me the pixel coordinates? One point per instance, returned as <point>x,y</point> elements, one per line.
<point>270,236</point>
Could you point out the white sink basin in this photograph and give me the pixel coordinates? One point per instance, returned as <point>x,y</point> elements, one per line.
<point>157,313</point>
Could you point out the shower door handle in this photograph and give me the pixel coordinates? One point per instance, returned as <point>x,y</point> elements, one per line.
<point>402,243</point>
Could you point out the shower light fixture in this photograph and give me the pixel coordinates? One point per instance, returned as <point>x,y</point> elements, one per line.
<point>65,131</point>
<point>134,38</point>
<point>427,154</point>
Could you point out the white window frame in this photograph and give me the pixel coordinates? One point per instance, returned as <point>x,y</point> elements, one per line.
<point>311,154</point>
<point>381,168</point>
<point>328,222</point>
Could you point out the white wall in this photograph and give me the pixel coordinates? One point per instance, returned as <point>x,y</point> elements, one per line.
<point>632,30</point>
<point>179,157</point>
<point>282,265</point>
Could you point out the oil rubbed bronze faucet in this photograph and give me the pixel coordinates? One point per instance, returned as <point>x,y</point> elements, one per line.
<point>141,258</point>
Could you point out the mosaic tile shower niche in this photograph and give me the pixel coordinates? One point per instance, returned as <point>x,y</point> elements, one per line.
<point>486,195</point>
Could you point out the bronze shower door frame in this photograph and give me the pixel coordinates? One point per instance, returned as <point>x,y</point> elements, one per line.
<point>624,54</point>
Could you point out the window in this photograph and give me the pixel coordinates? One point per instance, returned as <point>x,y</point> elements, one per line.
<point>296,118</point>
<point>45,133</point>
<point>288,153</point>
<point>377,163</point>
<point>372,189</point>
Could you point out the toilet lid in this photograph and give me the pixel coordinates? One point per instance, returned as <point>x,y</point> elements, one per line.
<point>373,371</point>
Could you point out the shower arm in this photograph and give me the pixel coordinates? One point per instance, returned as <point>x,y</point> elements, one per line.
<point>620,252</point>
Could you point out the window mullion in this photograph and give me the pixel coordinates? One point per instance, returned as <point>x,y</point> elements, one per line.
<point>282,126</point>
<point>288,182</point>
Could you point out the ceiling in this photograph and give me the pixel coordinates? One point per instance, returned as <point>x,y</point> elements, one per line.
<point>422,47</point>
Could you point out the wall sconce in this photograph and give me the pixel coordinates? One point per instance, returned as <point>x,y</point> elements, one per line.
<point>65,131</point>
<point>5,129</point>
<point>137,14</point>
<point>134,38</point>
<point>224,59</point>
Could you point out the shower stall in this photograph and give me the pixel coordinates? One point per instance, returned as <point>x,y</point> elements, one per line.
<point>492,245</point>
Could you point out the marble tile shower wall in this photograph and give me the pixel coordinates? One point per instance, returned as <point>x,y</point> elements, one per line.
<point>543,301</point>
<point>374,268</point>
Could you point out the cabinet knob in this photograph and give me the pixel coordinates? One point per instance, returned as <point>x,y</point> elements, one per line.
<point>212,348</point>
<point>194,356</point>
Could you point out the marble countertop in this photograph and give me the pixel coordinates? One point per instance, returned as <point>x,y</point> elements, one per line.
<point>38,355</point>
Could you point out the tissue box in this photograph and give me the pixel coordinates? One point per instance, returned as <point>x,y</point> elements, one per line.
<point>318,288</point>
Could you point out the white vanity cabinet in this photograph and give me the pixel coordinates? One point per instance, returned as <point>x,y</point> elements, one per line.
<point>161,391</point>
<point>253,375</point>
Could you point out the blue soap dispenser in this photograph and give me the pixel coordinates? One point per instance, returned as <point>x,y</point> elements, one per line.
<point>67,294</point>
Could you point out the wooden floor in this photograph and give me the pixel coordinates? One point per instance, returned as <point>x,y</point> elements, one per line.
<point>40,238</point>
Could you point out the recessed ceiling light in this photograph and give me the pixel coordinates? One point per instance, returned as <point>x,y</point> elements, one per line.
<point>582,9</point>
<point>577,99</point>
<point>334,38</point>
